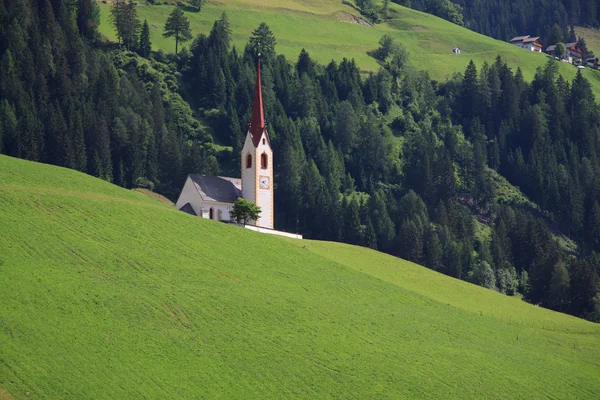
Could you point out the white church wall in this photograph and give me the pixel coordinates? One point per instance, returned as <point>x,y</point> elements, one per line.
<point>265,196</point>
<point>221,211</point>
<point>248,174</point>
<point>189,194</point>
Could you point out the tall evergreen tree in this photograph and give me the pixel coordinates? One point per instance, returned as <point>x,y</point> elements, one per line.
<point>198,4</point>
<point>178,27</point>
<point>85,18</point>
<point>145,43</point>
<point>263,39</point>
<point>125,20</point>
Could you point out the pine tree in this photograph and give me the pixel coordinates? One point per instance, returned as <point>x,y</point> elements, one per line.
<point>382,223</point>
<point>469,92</point>
<point>145,44</point>
<point>368,238</point>
<point>352,225</point>
<point>555,36</point>
<point>85,19</point>
<point>592,226</point>
<point>262,40</point>
<point>433,250</point>
<point>178,27</point>
<point>305,65</point>
<point>346,127</point>
<point>198,4</point>
<point>584,281</point>
<point>410,240</point>
<point>8,120</point>
<point>220,36</point>
<point>385,9</point>
<point>126,23</point>
<point>557,297</point>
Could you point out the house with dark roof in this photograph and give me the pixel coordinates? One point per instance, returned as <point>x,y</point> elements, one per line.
<point>528,43</point>
<point>593,62</point>
<point>573,53</point>
<point>213,196</point>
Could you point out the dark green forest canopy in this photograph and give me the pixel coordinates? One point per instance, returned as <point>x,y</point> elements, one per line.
<point>506,19</point>
<point>420,169</point>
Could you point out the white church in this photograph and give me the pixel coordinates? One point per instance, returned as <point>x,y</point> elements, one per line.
<point>213,196</point>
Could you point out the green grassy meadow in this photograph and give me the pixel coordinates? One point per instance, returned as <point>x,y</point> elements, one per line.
<point>326,30</point>
<point>110,294</point>
<point>591,36</point>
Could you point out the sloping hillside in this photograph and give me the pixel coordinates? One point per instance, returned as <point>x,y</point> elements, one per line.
<point>328,30</point>
<point>108,293</point>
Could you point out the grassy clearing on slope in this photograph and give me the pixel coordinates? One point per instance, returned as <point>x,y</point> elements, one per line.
<point>108,293</point>
<point>591,36</point>
<point>322,28</point>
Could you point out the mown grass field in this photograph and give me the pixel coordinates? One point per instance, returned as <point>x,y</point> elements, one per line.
<point>591,36</point>
<point>110,294</point>
<point>326,30</point>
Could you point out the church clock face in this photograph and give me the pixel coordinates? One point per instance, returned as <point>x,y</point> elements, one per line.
<point>265,182</point>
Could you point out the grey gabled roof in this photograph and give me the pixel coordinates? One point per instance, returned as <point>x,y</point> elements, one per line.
<point>519,38</point>
<point>551,48</point>
<point>217,188</point>
<point>187,208</point>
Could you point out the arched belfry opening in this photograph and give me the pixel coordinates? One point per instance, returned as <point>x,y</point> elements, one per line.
<point>264,161</point>
<point>249,161</point>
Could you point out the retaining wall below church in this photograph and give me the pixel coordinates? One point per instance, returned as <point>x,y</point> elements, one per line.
<point>270,231</point>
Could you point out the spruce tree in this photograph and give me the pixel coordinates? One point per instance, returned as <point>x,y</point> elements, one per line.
<point>126,23</point>
<point>592,226</point>
<point>556,35</point>
<point>304,64</point>
<point>198,4</point>
<point>178,27</point>
<point>220,36</point>
<point>469,92</point>
<point>85,18</point>
<point>433,250</point>
<point>263,40</point>
<point>352,225</point>
<point>145,44</point>
<point>558,295</point>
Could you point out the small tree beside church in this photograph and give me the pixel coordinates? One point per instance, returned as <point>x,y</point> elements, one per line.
<point>244,210</point>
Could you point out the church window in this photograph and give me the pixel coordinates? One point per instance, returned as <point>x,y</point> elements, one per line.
<point>264,140</point>
<point>264,162</point>
<point>211,213</point>
<point>249,161</point>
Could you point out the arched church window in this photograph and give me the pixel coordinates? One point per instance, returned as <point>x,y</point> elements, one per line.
<point>264,161</point>
<point>249,161</point>
<point>211,213</point>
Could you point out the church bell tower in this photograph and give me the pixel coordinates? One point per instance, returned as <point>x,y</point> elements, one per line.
<point>257,161</point>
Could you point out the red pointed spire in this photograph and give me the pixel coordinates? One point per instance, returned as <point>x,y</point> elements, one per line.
<point>257,125</point>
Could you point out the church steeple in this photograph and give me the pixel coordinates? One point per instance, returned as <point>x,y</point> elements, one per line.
<point>257,124</point>
<point>257,161</point>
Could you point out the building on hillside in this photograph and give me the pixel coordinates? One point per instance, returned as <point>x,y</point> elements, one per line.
<point>213,196</point>
<point>456,50</point>
<point>573,53</point>
<point>528,43</point>
<point>209,197</point>
<point>593,62</point>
